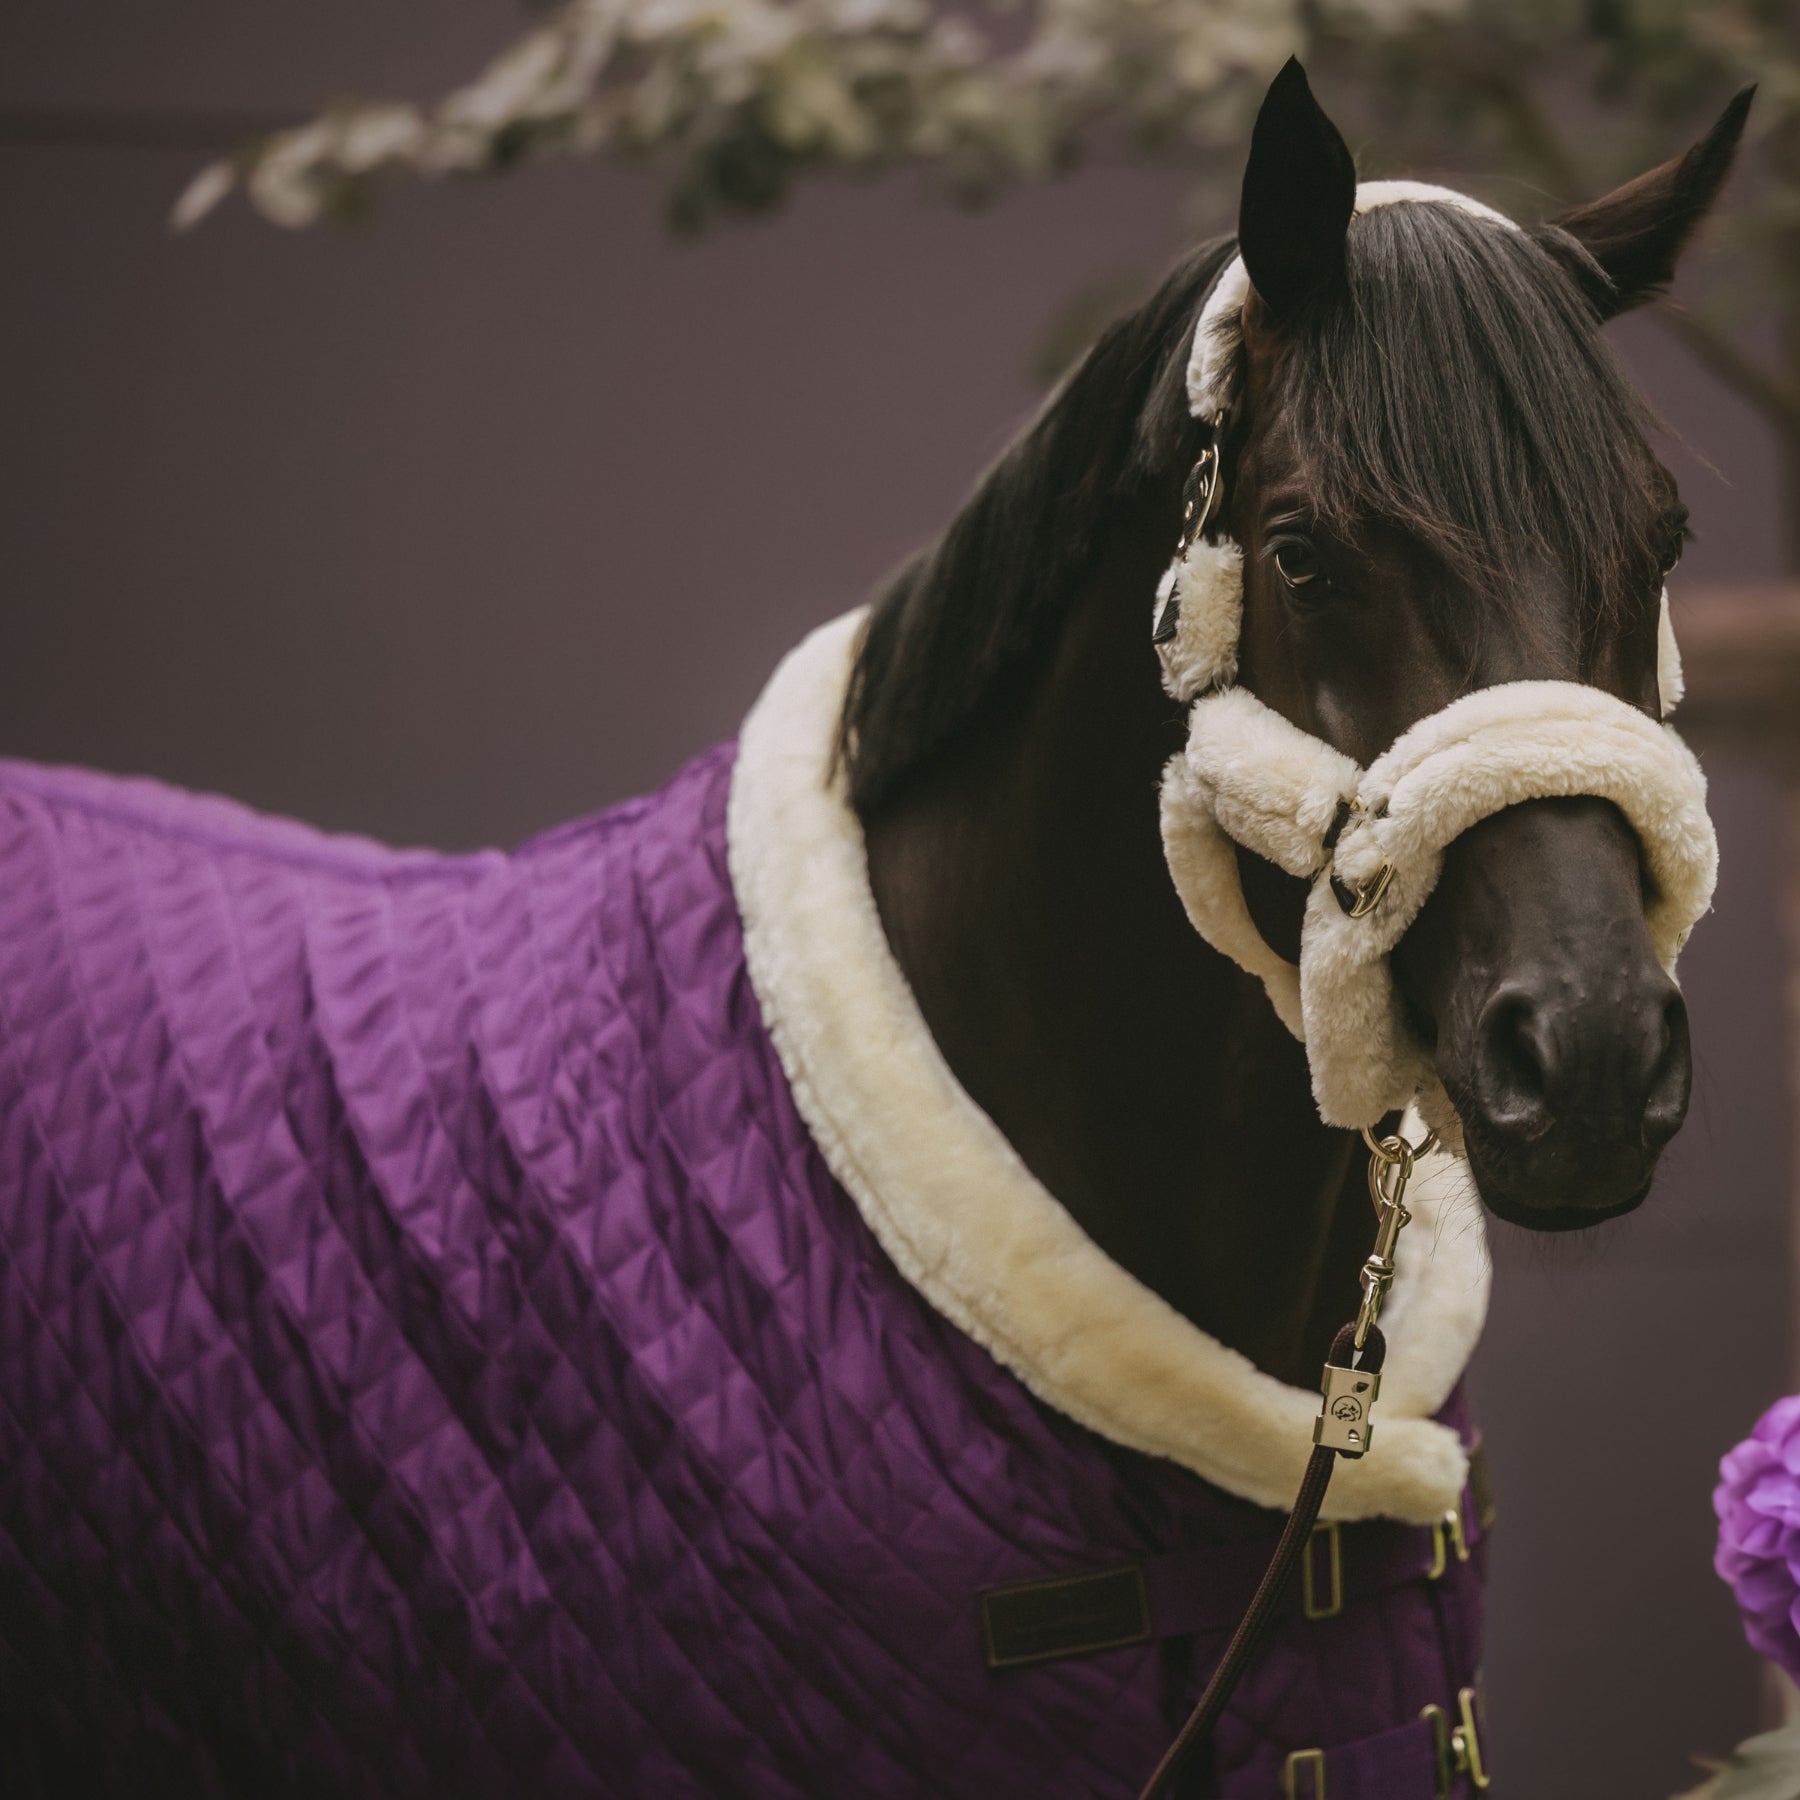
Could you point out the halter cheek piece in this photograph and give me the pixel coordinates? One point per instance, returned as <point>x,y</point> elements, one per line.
<point>1371,841</point>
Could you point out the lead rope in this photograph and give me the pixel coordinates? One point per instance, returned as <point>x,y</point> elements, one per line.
<point>1352,1382</point>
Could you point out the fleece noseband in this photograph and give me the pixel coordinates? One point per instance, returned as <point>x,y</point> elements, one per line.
<point>1371,841</point>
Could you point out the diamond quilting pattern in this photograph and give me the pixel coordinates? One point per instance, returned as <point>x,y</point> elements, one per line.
<point>434,1360</point>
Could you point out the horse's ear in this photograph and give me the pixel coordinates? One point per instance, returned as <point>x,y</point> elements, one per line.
<point>1637,232</point>
<point>1299,193</point>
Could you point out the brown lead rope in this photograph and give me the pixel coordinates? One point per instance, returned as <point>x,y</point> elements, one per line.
<point>1254,1626</point>
<point>1352,1381</point>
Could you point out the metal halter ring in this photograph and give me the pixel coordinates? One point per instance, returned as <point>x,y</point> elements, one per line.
<point>1359,902</point>
<point>1356,900</point>
<point>1396,1149</point>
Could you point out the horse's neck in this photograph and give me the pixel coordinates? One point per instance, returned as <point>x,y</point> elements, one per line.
<point>1143,1078</point>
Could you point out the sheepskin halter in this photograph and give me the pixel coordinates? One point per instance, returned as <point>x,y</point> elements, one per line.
<point>1371,841</point>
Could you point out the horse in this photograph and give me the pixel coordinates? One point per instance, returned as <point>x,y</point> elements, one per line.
<point>807,1282</point>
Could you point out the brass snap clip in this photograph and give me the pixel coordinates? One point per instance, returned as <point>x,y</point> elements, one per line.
<point>1391,1161</point>
<point>1344,1423</point>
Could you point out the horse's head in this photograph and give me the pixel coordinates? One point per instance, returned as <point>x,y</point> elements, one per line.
<point>1441,481</point>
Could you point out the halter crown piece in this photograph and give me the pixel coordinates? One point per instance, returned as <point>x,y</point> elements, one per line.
<point>1371,841</point>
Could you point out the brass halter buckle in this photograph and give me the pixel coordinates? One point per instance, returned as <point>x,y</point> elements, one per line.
<point>1200,495</point>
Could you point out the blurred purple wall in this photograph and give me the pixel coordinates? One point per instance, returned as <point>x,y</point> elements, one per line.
<point>482,517</point>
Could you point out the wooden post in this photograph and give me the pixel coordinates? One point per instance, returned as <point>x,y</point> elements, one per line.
<point>1741,649</point>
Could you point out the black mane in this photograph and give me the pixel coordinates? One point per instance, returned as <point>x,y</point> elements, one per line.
<point>1461,392</point>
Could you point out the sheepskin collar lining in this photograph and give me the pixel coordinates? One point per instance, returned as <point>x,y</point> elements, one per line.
<point>977,1234</point>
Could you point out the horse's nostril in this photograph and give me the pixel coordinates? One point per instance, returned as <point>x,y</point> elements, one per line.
<point>1674,1046</point>
<point>1665,1106</point>
<point>1515,1071</point>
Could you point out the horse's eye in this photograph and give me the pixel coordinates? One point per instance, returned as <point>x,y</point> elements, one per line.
<point>1298,563</point>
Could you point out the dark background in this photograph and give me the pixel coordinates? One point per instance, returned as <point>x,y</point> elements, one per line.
<point>453,527</point>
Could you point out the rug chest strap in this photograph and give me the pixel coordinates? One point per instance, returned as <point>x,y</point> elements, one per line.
<point>1208,1588</point>
<point>1436,1756</point>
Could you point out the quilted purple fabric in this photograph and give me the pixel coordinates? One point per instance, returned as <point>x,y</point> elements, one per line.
<point>434,1360</point>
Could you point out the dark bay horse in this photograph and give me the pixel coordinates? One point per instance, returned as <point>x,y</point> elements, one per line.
<point>1435,426</point>
<point>804,1284</point>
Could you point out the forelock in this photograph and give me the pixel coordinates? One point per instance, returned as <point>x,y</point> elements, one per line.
<point>1460,390</point>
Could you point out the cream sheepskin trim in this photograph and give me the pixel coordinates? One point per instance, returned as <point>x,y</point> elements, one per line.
<point>973,1230</point>
<point>1250,775</point>
<point>1216,335</point>
<point>1207,580</point>
<point>1671,684</point>
<point>1203,865</point>
<point>1270,785</point>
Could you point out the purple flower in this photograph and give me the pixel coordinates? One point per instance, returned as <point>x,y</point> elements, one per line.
<point>1758,1503</point>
